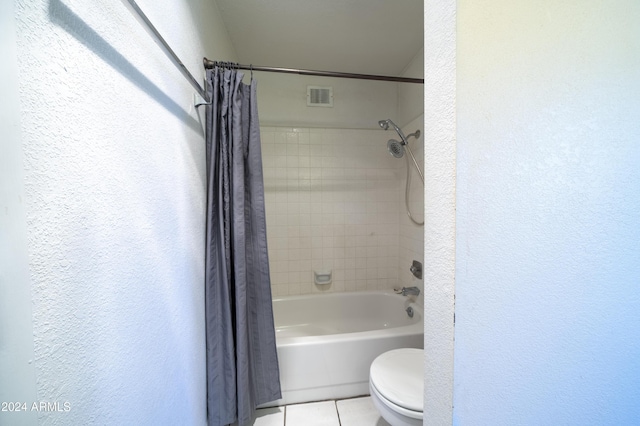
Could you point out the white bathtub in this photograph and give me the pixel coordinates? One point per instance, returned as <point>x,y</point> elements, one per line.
<point>327,342</point>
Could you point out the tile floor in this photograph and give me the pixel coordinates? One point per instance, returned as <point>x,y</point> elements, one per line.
<point>345,412</point>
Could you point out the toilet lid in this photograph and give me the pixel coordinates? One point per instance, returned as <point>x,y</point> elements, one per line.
<point>399,377</point>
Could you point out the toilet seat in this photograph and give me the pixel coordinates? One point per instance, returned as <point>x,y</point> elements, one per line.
<point>390,406</point>
<point>397,378</point>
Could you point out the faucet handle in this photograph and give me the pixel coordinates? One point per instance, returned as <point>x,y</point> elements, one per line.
<point>408,291</point>
<point>416,269</point>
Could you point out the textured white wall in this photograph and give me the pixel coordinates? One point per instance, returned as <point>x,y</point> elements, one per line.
<point>548,198</point>
<point>17,372</point>
<point>114,184</point>
<point>439,197</point>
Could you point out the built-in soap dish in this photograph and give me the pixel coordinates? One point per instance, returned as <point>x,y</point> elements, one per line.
<point>322,277</point>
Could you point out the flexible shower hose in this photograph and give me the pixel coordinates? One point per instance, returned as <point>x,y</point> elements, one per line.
<point>408,185</point>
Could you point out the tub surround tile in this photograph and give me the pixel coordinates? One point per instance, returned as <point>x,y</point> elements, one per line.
<point>359,412</point>
<point>316,185</point>
<point>313,414</point>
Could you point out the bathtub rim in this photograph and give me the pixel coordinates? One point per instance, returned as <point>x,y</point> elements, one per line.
<point>408,301</point>
<point>386,293</point>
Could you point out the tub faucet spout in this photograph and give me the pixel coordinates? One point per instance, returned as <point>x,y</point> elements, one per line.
<point>409,291</point>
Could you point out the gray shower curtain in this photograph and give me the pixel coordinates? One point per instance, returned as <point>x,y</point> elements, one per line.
<point>242,364</point>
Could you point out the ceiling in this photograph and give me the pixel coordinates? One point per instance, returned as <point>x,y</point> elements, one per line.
<point>355,36</point>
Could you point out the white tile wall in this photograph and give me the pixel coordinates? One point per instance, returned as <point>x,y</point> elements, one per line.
<point>333,200</point>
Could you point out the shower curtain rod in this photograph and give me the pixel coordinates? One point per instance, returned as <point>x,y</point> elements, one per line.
<point>210,64</point>
<point>137,12</point>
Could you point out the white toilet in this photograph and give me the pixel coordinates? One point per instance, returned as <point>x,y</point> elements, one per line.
<point>396,384</point>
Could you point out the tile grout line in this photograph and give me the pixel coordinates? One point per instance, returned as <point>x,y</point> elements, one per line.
<point>335,403</point>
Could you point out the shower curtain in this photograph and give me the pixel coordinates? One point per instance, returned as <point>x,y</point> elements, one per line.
<point>242,364</point>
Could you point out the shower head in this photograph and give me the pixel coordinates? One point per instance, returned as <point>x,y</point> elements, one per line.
<point>395,148</point>
<point>384,124</point>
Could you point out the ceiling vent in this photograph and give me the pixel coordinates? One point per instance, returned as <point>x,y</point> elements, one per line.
<point>320,96</point>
